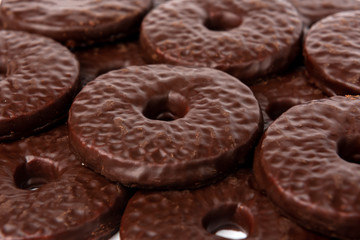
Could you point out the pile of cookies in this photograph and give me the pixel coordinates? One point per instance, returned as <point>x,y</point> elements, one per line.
<point>194,119</point>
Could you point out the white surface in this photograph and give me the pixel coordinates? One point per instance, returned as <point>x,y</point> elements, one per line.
<point>115,237</point>
<point>231,234</point>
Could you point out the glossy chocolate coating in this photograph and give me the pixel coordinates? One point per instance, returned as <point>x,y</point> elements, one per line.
<point>159,126</point>
<point>279,93</point>
<point>45,192</point>
<point>197,214</point>
<point>75,23</point>
<point>308,163</point>
<point>247,38</point>
<point>312,11</point>
<point>332,53</point>
<point>98,60</point>
<point>39,79</point>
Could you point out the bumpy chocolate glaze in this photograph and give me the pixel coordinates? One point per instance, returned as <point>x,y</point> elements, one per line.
<point>45,193</point>
<point>74,23</point>
<point>39,79</point>
<point>312,11</point>
<point>279,93</point>
<point>98,60</point>
<point>231,204</point>
<point>332,53</point>
<point>247,39</point>
<point>159,126</point>
<point>308,163</point>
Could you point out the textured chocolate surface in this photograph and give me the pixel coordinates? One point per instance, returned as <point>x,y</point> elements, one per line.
<point>312,11</point>
<point>198,214</point>
<point>332,53</point>
<point>75,23</point>
<point>308,163</point>
<point>158,126</point>
<point>39,79</point>
<point>245,38</point>
<point>98,60</point>
<point>279,93</point>
<point>45,193</point>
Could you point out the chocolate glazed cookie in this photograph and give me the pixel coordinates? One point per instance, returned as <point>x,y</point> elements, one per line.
<point>245,38</point>
<point>332,53</point>
<point>312,11</point>
<point>39,79</point>
<point>75,23</point>
<point>233,204</point>
<point>308,163</point>
<point>45,193</point>
<point>279,93</point>
<point>159,126</point>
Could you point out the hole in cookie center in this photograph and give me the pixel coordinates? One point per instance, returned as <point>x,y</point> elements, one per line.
<point>278,107</point>
<point>35,173</point>
<point>348,148</point>
<point>167,107</point>
<point>222,21</point>
<point>229,222</point>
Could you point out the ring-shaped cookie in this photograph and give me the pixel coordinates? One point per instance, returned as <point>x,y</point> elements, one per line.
<point>308,163</point>
<point>45,192</point>
<point>75,23</point>
<point>159,126</point>
<point>332,53</point>
<point>39,79</point>
<point>246,38</point>
<point>233,204</point>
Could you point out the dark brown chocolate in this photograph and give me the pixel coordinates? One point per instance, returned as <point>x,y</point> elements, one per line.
<point>159,126</point>
<point>247,39</point>
<point>232,204</point>
<point>308,162</point>
<point>45,192</point>
<point>332,53</point>
<point>312,11</point>
<point>39,79</point>
<point>98,60</point>
<point>74,23</point>
<point>279,93</point>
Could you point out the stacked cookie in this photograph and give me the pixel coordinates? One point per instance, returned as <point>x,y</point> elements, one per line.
<point>233,119</point>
